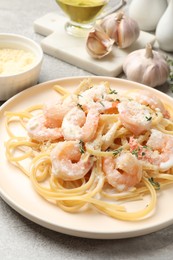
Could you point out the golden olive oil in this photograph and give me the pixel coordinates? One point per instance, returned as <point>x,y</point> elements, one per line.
<point>81,11</point>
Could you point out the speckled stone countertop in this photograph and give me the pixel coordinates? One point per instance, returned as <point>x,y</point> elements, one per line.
<point>22,239</point>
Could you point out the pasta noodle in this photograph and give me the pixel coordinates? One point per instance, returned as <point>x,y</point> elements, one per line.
<point>95,148</point>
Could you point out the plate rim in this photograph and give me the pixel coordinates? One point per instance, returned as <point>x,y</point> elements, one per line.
<point>73,231</point>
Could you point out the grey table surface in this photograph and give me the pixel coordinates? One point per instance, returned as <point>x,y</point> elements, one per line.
<point>22,239</point>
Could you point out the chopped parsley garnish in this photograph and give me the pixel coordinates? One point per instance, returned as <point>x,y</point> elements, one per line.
<point>81,147</point>
<point>101,103</point>
<point>148,118</point>
<point>135,152</point>
<point>155,184</point>
<point>147,147</point>
<point>80,106</point>
<point>117,151</point>
<point>79,95</point>
<point>113,91</point>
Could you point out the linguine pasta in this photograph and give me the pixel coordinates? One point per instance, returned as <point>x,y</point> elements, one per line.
<point>112,139</point>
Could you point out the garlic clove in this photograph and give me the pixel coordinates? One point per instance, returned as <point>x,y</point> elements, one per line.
<point>110,26</point>
<point>146,66</point>
<point>98,43</point>
<point>123,29</point>
<point>128,32</point>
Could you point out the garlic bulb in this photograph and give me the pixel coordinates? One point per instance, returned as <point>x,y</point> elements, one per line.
<point>121,28</point>
<point>146,66</point>
<point>98,43</point>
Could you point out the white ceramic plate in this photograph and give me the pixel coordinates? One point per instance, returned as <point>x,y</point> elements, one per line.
<point>17,191</point>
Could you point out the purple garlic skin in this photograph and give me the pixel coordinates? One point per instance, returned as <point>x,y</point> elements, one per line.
<point>121,28</point>
<point>147,67</point>
<point>98,43</point>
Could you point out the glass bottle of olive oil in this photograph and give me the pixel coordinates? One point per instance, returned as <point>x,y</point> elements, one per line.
<point>82,11</point>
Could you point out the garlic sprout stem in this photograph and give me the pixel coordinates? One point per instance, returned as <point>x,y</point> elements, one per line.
<point>149,52</point>
<point>119,16</point>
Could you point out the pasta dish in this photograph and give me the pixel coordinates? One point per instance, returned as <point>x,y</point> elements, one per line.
<point>95,148</point>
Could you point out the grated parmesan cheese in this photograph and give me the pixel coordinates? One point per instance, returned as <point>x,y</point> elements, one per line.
<point>14,61</point>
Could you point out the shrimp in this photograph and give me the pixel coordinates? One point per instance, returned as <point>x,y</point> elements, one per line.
<point>146,98</point>
<point>77,125</point>
<point>157,151</point>
<point>98,96</point>
<point>134,116</point>
<point>47,127</point>
<point>68,163</point>
<point>162,144</point>
<point>92,95</point>
<point>38,130</point>
<point>54,113</point>
<point>122,172</point>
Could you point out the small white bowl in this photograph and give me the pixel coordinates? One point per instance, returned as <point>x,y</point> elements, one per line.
<point>14,83</point>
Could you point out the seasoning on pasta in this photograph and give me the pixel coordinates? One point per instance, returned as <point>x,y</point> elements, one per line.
<point>96,147</point>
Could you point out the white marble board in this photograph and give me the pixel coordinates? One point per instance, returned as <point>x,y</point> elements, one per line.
<point>70,49</point>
